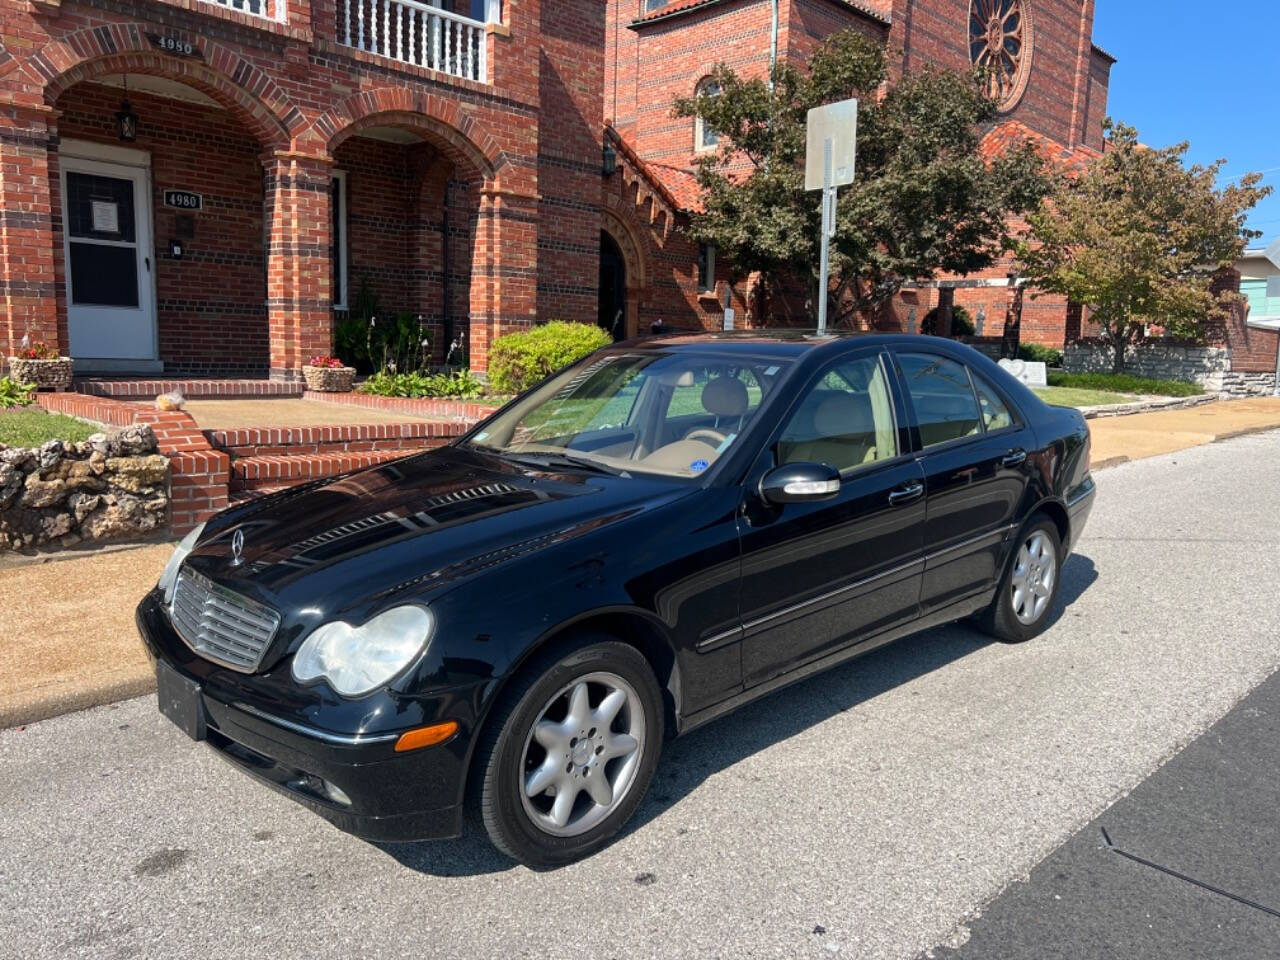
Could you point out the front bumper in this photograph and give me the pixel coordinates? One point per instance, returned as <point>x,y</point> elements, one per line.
<point>393,796</point>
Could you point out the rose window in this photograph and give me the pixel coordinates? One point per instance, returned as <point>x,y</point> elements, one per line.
<point>1000,46</point>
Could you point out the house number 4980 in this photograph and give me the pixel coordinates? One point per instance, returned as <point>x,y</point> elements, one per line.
<point>174,45</point>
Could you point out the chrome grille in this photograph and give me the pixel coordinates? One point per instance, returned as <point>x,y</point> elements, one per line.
<point>219,624</point>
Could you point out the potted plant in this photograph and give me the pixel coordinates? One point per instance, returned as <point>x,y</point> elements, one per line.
<point>40,365</point>
<point>328,375</point>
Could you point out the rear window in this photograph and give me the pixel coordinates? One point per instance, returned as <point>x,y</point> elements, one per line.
<point>942,395</point>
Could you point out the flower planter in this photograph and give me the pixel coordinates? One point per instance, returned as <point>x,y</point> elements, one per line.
<point>52,374</point>
<point>329,379</point>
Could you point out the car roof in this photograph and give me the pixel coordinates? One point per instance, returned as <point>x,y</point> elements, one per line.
<point>782,342</point>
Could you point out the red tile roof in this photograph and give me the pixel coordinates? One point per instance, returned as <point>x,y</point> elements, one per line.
<point>874,9</point>
<point>1006,135</point>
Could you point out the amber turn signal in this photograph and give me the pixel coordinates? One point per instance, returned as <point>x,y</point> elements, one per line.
<point>426,736</point>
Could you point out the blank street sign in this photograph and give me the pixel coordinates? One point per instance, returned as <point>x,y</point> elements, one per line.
<point>839,121</point>
<point>1273,286</point>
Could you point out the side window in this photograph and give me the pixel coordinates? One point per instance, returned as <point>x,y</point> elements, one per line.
<point>995,413</point>
<point>942,396</point>
<point>845,420</point>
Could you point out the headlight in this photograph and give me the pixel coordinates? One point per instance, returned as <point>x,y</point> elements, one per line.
<point>356,659</point>
<point>169,576</point>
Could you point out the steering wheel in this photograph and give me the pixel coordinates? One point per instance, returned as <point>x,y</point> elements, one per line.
<point>716,436</point>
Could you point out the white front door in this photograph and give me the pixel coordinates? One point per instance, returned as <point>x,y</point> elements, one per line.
<point>106,216</point>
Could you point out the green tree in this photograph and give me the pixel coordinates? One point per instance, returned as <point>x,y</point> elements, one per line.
<point>1138,237</point>
<point>923,201</point>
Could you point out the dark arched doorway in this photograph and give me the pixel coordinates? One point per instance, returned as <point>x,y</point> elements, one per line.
<point>613,288</point>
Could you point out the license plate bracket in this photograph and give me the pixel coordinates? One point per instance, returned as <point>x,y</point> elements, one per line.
<point>180,701</point>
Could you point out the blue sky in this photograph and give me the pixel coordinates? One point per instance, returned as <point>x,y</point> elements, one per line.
<point>1204,72</point>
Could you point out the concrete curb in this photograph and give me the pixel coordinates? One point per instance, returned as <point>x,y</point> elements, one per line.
<point>70,698</point>
<point>1146,405</point>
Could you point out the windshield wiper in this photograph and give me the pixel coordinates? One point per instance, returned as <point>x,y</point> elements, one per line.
<point>563,460</point>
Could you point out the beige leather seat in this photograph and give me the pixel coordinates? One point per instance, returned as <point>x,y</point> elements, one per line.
<point>843,434</point>
<point>726,399</point>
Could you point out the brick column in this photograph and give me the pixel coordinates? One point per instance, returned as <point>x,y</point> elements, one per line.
<point>28,296</point>
<point>299,294</point>
<point>1074,328</point>
<point>504,273</point>
<point>946,311</point>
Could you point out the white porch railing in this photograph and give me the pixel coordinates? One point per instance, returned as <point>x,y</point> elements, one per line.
<point>418,34</point>
<point>273,10</point>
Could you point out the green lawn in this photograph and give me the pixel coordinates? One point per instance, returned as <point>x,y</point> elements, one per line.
<point>1077,397</point>
<point>30,428</point>
<point>1124,383</point>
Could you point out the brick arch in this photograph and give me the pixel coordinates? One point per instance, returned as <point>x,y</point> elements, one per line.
<point>92,53</point>
<point>633,249</point>
<point>459,136</point>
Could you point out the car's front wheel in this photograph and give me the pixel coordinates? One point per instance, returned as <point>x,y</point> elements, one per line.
<point>569,752</point>
<point>1020,609</point>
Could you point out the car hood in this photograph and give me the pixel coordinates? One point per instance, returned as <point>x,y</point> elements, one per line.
<point>411,527</point>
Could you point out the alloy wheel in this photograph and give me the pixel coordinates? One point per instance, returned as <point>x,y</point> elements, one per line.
<point>581,756</point>
<point>1034,571</point>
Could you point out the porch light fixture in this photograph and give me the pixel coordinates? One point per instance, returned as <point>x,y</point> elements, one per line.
<point>126,119</point>
<point>609,160</point>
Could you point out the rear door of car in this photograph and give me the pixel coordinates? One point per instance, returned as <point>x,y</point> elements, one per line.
<point>821,575</point>
<point>975,452</point>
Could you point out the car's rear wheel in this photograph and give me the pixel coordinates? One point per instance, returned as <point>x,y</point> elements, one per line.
<point>569,753</point>
<point>1021,607</point>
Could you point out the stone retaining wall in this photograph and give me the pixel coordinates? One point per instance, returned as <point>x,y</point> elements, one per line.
<point>1208,366</point>
<point>111,486</point>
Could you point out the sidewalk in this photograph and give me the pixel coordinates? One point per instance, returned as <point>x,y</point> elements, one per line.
<point>1117,439</point>
<point>69,641</point>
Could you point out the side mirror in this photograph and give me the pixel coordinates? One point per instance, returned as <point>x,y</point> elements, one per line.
<point>800,483</point>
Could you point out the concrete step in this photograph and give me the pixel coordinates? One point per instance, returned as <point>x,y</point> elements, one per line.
<point>260,472</point>
<point>191,388</point>
<point>347,438</point>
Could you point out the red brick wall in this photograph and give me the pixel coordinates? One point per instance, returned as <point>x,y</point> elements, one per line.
<point>1095,110</point>
<point>210,303</point>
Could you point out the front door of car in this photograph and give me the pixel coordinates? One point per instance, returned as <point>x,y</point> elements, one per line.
<point>819,575</point>
<point>975,452</point>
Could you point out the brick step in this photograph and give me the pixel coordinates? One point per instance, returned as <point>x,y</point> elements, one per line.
<point>193,388</point>
<point>255,473</point>
<point>347,438</point>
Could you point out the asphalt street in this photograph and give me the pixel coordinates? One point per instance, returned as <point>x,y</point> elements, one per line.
<point>876,811</point>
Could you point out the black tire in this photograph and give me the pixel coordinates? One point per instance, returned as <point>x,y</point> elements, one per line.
<point>1000,619</point>
<point>500,762</point>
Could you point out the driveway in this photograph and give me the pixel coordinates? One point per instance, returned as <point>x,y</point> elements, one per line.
<point>868,812</point>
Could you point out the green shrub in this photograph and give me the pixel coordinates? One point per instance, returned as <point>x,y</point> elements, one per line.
<point>1038,354</point>
<point>519,360</point>
<point>1125,383</point>
<point>15,394</point>
<point>460,384</point>
<point>961,323</point>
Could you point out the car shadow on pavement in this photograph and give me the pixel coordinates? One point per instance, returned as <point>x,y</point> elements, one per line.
<point>688,761</point>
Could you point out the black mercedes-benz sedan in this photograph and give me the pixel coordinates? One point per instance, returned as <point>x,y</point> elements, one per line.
<point>654,536</point>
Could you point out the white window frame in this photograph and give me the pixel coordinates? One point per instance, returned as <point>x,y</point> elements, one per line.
<point>710,288</point>
<point>699,126</point>
<point>340,177</point>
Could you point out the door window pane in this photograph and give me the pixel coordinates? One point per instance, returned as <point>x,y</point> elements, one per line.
<point>845,420</point>
<point>100,208</point>
<point>103,275</point>
<point>940,392</point>
<point>995,414</point>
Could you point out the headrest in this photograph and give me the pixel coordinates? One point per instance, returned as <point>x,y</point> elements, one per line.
<point>725,397</point>
<point>844,414</point>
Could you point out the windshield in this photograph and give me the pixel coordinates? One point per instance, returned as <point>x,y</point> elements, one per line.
<point>670,413</point>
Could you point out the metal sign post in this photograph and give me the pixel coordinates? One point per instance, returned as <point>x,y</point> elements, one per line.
<point>831,147</point>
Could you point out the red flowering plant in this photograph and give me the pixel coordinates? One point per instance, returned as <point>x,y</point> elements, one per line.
<point>37,351</point>
<point>326,361</point>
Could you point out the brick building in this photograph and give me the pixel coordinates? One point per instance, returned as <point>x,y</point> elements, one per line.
<point>1053,90</point>
<point>202,186</point>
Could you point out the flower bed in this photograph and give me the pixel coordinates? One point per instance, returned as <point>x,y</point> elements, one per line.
<point>328,375</point>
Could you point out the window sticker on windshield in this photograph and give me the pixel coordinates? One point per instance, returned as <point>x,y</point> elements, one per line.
<point>770,371</point>
<point>481,435</point>
<point>699,465</point>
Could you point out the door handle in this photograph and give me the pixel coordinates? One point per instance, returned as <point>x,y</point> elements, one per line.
<point>1013,458</point>
<point>147,261</point>
<point>906,493</point>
